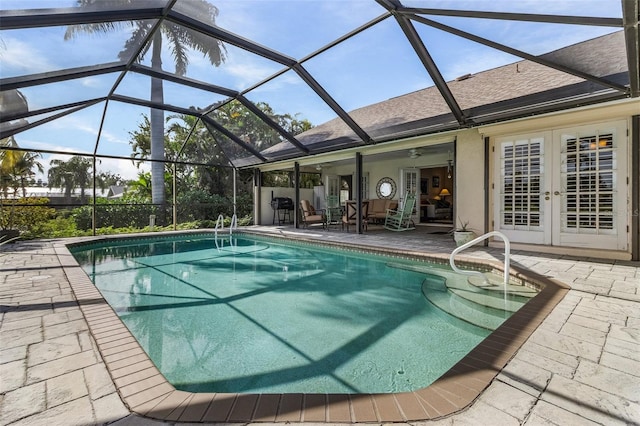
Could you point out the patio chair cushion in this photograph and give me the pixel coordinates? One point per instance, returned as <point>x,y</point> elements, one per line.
<point>310,215</point>
<point>378,207</point>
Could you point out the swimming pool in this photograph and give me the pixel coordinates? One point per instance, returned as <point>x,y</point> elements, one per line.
<point>259,316</point>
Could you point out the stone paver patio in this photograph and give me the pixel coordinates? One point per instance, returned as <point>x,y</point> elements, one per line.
<point>581,366</point>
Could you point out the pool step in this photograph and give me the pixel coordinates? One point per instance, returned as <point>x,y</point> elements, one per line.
<point>490,300</point>
<point>471,312</point>
<point>493,295</point>
<point>476,305</point>
<point>498,286</point>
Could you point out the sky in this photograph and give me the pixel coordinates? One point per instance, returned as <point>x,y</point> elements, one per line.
<point>371,67</point>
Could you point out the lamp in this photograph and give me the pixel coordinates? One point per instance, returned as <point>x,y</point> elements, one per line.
<point>444,193</point>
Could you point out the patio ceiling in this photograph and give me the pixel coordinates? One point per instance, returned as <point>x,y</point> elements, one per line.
<point>301,75</point>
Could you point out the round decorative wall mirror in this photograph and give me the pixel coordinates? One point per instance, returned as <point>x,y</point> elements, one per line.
<point>386,188</point>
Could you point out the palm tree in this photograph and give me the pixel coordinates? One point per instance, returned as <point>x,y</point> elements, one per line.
<point>23,165</point>
<point>7,159</point>
<point>15,167</point>
<point>71,174</point>
<point>180,39</point>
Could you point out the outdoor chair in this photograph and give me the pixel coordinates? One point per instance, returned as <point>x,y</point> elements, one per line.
<point>310,215</point>
<point>400,220</point>
<point>333,211</point>
<point>378,209</point>
<point>351,214</point>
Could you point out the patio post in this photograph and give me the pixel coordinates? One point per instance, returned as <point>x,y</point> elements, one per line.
<point>358,193</point>
<point>257,189</point>
<point>296,180</point>
<point>234,191</point>
<point>93,207</point>
<point>174,198</point>
<point>635,185</point>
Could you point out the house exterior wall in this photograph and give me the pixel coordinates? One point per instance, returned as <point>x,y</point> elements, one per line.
<point>470,166</point>
<point>587,116</point>
<point>469,193</point>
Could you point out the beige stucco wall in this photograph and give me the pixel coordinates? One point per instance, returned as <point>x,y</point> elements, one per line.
<point>469,191</point>
<point>266,217</point>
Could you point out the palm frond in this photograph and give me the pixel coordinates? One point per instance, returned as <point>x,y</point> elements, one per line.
<point>210,47</point>
<point>213,49</point>
<point>101,27</point>
<point>132,45</point>
<point>177,37</point>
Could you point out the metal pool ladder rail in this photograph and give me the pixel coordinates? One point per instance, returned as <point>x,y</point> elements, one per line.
<point>507,254</point>
<point>220,224</point>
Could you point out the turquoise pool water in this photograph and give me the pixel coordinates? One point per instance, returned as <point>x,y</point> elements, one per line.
<point>261,316</point>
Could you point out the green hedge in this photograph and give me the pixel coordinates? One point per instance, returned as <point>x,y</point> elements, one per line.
<point>194,206</point>
<point>25,214</point>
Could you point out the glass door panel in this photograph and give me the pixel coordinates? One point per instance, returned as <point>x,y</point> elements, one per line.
<point>592,199</point>
<point>565,187</point>
<point>523,201</point>
<point>409,185</point>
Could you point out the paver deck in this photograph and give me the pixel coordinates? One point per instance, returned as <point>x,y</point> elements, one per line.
<point>580,366</point>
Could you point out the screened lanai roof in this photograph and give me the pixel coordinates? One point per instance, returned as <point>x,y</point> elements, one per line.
<point>362,72</point>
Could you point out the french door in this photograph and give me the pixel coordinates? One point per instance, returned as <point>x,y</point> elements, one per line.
<point>565,187</point>
<point>332,186</point>
<point>409,180</point>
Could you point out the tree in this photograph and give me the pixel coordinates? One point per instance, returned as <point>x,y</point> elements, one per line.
<point>22,169</point>
<point>236,118</point>
<point>140,187</point>
<point>16,167</point>
<point>7,159</point>
<point>111,179</point>
<point>77,172</point>
<point>180,40</point>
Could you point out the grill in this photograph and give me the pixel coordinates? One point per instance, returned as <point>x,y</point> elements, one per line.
<point>282,207</point>
<point>282,203</point>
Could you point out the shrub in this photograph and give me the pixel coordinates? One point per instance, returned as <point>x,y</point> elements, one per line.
<point>25,214</point>
<point>58,227</point>
<point>115,214</point>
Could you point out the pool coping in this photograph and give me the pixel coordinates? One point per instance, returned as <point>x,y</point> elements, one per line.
<point>145,391</point>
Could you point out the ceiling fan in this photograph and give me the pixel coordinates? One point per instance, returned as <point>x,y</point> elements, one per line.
<point>414,153</point>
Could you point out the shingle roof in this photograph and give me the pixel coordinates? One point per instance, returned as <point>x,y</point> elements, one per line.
<point>507,91</point>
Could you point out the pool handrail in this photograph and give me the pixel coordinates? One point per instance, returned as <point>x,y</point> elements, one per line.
<point>507,256</point>
<point>219,224</point>
<point>234,223</point>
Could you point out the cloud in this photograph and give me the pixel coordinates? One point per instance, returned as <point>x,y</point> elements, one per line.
<point>20,58</point>
<point>82,124</point>
<point>124,168</point>
<point>91,82</point>
<point>246,70</point>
